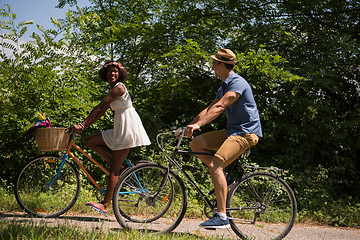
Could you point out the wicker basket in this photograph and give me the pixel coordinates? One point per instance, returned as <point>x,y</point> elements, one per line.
<point>51,139</point>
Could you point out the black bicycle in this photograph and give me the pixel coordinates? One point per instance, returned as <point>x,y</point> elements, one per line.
<point>152,197</point>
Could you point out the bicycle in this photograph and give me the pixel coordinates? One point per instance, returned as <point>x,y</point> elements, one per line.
<point>152,197</point>
<point>49,185</point>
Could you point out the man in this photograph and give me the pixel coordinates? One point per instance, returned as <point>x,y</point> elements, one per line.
<point>235,97</point>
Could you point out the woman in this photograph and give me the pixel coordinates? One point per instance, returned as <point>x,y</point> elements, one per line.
<point>128,131</point>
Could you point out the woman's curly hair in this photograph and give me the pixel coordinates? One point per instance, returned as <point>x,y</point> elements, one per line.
<point>122,71</point>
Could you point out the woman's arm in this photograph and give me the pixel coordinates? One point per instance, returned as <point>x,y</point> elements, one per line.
<point>98,111</point>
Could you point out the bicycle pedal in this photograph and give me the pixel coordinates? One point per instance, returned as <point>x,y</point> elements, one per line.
<point>210,229</point>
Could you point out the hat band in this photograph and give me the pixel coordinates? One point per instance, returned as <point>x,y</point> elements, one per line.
<point>223,58</point>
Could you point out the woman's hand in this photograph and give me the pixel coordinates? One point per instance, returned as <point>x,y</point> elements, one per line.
<point>77,128</point>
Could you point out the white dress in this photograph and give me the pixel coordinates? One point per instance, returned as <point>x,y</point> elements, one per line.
<point>128,130</point>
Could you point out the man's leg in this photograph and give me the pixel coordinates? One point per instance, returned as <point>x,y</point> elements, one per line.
<point>203,143</point>
<point>199,144</point>
<point>218,178</point>
<point>208,141</point>
<point>213,141</point>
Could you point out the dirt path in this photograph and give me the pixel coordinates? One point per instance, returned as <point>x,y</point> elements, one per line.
<point>191,227</point>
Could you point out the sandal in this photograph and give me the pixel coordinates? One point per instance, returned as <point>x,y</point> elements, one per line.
<point>96,208</point>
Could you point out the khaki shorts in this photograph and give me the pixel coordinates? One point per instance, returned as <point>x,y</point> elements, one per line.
<point>229,148</point>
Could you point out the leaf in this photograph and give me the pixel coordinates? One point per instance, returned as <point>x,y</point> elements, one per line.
<point>23,23</point>
<point>57,22</point>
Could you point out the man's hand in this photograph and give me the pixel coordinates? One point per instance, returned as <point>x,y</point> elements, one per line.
<point>191,128</point>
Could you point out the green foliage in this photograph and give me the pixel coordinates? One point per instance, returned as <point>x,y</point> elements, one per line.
<point>301,60</point>
<point>41,75</point>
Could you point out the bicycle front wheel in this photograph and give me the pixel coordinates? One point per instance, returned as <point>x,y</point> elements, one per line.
<point>261,206</point>
<point>140,203</point>
<point>42,191</point>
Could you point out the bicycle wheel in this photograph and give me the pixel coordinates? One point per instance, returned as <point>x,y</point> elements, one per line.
<point>40,194</point>
<point>134,182</point>
<point>138,203</point>
<point>261,206</point>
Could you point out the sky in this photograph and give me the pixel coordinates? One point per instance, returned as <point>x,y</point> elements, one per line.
<point>40,11</point>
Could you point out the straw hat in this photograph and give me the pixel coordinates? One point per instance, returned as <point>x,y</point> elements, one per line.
<point>226,56</point>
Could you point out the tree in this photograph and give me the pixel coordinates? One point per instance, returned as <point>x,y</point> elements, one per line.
<point>299,57</point>
<point>315,115</point>
<point>42,75</point>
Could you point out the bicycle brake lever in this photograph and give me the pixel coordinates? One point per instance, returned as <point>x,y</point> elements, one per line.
<point>69,130</point>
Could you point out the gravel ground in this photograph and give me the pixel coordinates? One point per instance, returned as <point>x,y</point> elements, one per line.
<point>191,227</point>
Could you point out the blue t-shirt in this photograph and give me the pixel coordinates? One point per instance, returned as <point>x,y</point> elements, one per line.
<point>242,115</point>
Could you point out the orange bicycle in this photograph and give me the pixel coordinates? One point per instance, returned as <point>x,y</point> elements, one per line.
<point>49,185</point>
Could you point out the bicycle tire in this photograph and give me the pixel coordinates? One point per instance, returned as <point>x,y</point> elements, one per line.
<point>37,197</point>
<point>134,204</point>
<point>169,197</point>
<point>272,217</point>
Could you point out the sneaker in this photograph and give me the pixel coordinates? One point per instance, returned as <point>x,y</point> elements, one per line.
<point>229,182</point>
<point>216,222</point>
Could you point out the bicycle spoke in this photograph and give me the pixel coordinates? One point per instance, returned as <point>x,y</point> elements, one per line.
<point>37,197</point>
<point>150,207</point>
<point>267,207</point>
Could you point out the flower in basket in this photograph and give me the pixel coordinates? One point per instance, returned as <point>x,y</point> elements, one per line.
<point>42,122</point>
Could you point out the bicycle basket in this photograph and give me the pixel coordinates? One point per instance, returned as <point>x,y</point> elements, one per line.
<point>51,139</point>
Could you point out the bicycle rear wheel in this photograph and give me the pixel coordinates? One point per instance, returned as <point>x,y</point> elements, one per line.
<point>40,193</point>
<point>261,206</point>
<point>139,204</point>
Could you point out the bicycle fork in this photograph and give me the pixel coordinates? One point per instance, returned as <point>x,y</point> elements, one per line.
<point>58,172</point>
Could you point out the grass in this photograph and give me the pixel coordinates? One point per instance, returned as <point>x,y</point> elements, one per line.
<point>9,204</point>
<point>336,214</point>
<point>31,231</point>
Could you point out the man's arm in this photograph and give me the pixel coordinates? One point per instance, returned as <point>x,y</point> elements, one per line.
<point>211,112</point>
<point>203,112</point>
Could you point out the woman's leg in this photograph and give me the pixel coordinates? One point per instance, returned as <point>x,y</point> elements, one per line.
<point>96,143</point>
<point>116,162</point>
<point>119,157</point>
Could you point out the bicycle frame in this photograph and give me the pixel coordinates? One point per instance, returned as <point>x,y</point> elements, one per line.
<point>69,153</point>
<point>257,198</point>
<point>172,161</point>
<point>192,182</point>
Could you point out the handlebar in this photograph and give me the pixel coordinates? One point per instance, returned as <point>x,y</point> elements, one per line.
<point>72,133</point>
<point>178,132</point>
<point>69,130</point>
